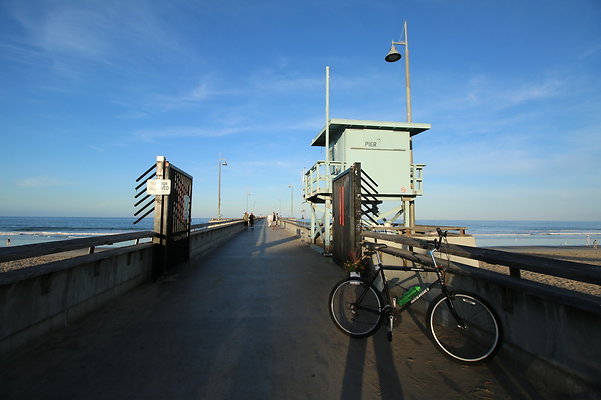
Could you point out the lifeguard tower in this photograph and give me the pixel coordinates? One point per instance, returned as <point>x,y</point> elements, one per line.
<point>385,153</point>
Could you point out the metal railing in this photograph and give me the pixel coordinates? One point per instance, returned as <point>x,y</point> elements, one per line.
<point>515,262</point>
<point>317,177</point>
<point>60,246</point>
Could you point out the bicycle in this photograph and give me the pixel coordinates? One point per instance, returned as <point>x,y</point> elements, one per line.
<point>463,326</point>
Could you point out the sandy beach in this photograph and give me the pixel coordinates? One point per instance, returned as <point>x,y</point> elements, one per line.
<point>581,254</point>
<point>29,262</point>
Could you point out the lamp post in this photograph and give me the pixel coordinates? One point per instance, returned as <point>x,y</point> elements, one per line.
<point>291,200</point>
<point>221,162</point>
<point>393,56</point>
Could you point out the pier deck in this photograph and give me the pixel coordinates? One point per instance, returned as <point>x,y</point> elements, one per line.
<point>248,321</point>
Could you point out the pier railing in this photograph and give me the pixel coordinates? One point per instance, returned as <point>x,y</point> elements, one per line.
<point>60,246</point>
<point>514,261</point>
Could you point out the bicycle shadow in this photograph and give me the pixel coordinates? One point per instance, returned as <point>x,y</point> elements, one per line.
<point>354,383</point>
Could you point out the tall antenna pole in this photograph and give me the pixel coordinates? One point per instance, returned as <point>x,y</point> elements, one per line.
<point>328,204</point>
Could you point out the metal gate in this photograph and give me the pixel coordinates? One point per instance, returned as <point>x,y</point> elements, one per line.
<point>172,211</point>
<point>178,216</point>
<point>354,203</point>
<point>346,213</point>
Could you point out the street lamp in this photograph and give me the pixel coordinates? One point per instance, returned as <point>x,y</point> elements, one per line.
<point>291,200</point>
<point>221,162</point>
<point>393,56</point>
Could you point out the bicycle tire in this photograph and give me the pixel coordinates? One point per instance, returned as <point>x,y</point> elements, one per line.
<point>356,320</point>
<point>478,341</point>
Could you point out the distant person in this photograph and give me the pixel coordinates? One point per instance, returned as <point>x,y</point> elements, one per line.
<point>251,220</point>
<point>588,239</point>
<point>246,218</point>
<point>269,219</point>
<point>8,242</point>
<point>595,245</point>
<point>275,220</point>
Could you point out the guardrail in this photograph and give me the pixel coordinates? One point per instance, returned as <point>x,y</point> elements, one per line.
<point>59,246</point>
<point>542,265</point>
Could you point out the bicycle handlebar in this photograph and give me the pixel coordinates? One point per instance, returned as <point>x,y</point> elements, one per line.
<point>441,234</point>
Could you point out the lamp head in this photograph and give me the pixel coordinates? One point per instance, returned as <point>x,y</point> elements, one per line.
<point>393,55</point>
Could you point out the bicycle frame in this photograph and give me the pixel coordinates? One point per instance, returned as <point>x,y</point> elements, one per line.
<point>438,282</point>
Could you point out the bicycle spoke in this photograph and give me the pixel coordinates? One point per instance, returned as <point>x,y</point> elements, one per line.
<point>355,308</point>
<point>478,336</point>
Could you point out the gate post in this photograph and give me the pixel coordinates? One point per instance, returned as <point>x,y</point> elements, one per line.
<point>172,217</point>
<point>160,222</point>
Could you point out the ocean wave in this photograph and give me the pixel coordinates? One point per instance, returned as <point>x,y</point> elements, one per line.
<point>71,228</point>
<point>61,234</point>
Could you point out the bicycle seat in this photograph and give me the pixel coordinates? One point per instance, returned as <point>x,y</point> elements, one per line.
<point>370,246</point>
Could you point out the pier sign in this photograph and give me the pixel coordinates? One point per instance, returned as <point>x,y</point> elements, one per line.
<point>158,186</point>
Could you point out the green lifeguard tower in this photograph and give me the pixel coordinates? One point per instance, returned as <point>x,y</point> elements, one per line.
<point>385,152</point>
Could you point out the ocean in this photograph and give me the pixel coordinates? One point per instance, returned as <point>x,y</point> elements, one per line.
<point>26,230</point>
<point>527,233</point>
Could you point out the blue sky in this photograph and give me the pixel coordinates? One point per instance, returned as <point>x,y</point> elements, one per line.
<point>92,91</point>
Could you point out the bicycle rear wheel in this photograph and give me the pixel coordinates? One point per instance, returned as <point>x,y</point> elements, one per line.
<point>356,307</point>
<point>477,341</point>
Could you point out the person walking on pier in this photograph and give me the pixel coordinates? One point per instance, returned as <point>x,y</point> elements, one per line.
<point>246,219</point>
<point>251,220</point>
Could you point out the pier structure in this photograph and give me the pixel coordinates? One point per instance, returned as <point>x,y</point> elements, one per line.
<point>249,319</point>
<point>243,313</point>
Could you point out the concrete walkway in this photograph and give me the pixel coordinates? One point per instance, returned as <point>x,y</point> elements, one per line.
<point>249,321</point>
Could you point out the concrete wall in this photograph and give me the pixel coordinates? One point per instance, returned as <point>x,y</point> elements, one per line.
<point>39,299</point>
<point>555,341</point>
<point>36,300</point>
<point>203,241</point>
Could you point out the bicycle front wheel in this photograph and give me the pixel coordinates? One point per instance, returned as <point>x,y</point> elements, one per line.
<point>356,307</point>
<point>477,340</point>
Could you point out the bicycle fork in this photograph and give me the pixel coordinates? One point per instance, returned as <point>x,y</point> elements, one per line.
<point>445,290</point>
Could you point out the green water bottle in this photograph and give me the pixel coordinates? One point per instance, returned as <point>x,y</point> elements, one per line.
<point>409,295</point>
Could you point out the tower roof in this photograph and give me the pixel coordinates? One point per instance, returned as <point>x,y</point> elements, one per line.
<point>339,125</point>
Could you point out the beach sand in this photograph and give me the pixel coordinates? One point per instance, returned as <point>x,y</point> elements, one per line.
<point>580,254</point>
<point>29,262</point>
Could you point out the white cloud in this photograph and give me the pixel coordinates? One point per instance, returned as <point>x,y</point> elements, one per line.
<point>102,31</point>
